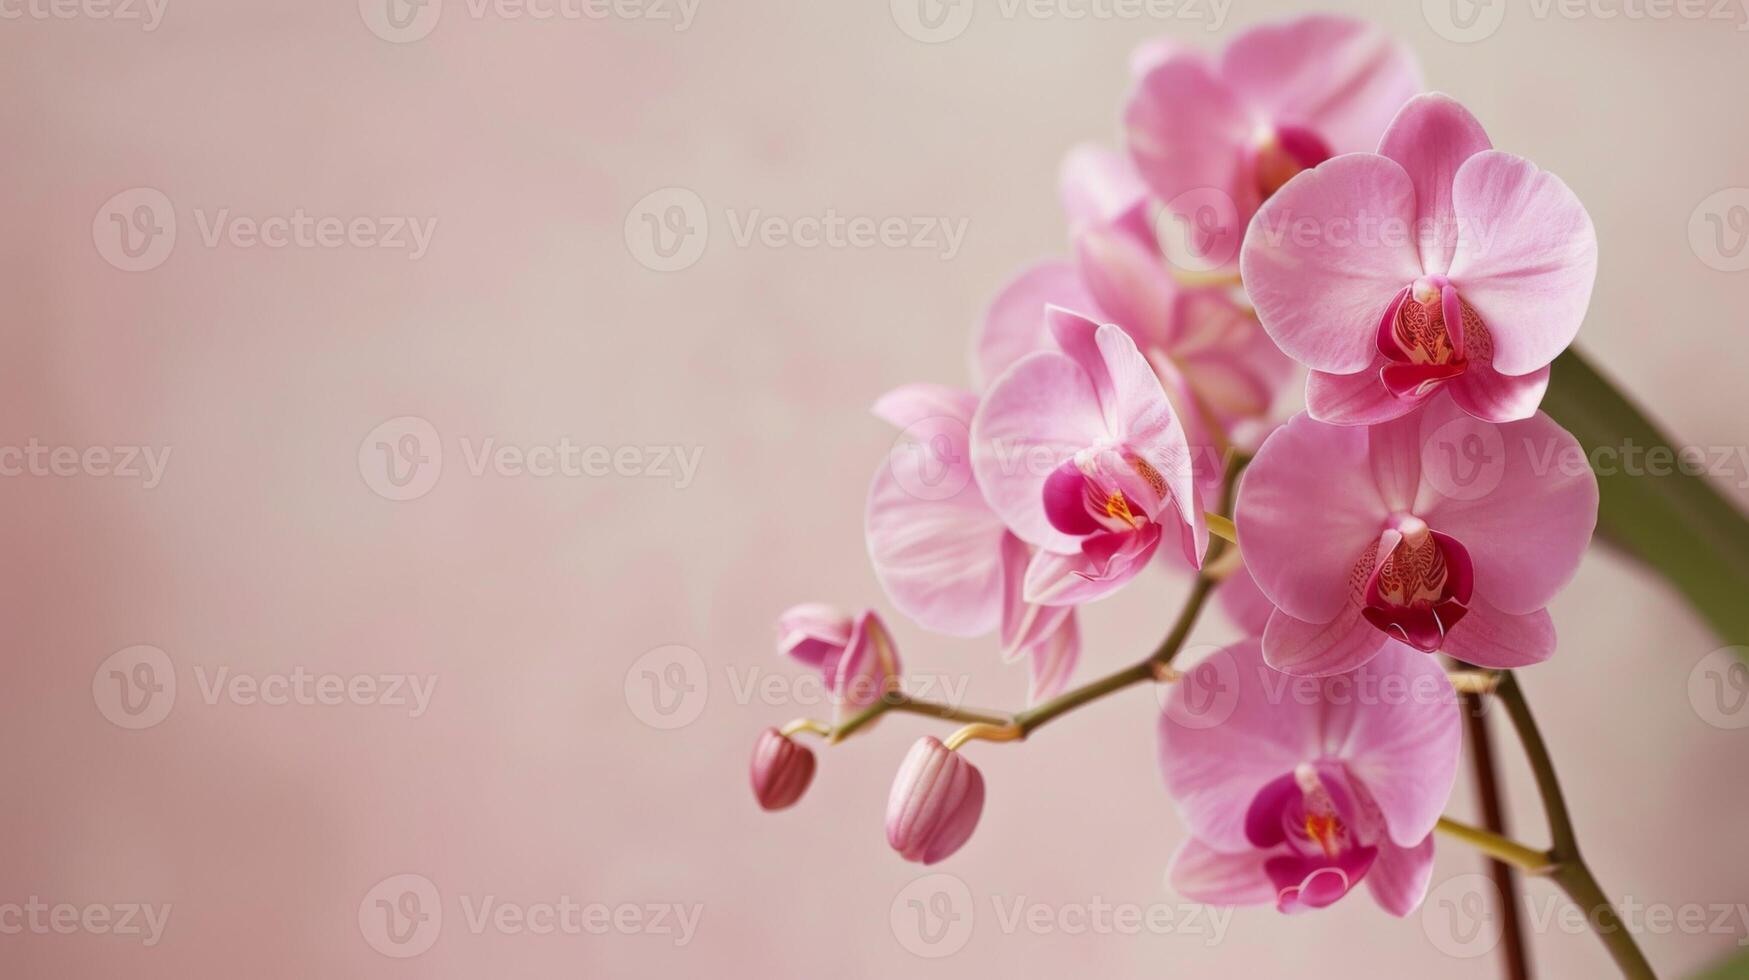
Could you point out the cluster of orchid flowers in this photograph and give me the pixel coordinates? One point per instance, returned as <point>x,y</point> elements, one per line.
<point>1129,413</point>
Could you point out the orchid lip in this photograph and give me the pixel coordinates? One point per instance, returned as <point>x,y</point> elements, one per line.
<point>1424,335</point>
<point>1420,585</point>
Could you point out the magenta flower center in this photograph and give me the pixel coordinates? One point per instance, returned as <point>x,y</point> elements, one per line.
<point>1281,152</point>
<point>1419,587</point>
<point>1106,489</point>
<point>1429,336</point>
<point>1307,821</point>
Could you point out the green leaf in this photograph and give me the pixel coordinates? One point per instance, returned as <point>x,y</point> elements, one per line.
<point>1733,968</point>
<point>1676,523</point>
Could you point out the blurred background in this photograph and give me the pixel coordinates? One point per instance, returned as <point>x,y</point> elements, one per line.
<point>410,436</point>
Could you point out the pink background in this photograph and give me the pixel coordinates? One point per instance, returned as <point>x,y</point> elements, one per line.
<point>530,600</point>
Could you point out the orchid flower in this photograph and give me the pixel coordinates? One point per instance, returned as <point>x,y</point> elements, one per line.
<point>1219,369</point>
<point>1436,529</point>
<point>1436,262</point>
<point>943,556</point>
<point>856,657</point>
<point>1310,786</point>
<point>1213,137</point>
<point>1080,454</point>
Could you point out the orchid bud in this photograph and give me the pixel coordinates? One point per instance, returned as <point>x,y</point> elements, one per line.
<point>936,800</point>
<point>782,770</point>
<point>814,633</point>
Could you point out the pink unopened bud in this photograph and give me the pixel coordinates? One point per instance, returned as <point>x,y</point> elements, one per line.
<point>936,800</point>
<point>781,770</point>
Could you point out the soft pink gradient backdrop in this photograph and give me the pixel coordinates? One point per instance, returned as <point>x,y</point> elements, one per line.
<point>530,778</point>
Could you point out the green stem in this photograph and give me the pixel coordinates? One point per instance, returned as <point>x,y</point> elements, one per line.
<point>899,701</point>
<point>1527,859</point>
<point>1569,870</point>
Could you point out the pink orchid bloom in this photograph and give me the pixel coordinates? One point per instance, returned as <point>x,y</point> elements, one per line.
<point>1219,369</point>
<point>1437,262</point>
<point>1310,786</point>
<point>942,555</point>
<point>1213,137</point>
<point>1436,529</point>
<point>1080,454</point>
<point>856,657</point>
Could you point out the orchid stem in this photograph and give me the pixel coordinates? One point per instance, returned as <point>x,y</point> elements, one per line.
<point>898,701</point>
<point>1569,869</point>
<point>1527,859</point>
